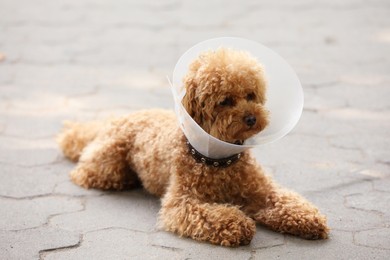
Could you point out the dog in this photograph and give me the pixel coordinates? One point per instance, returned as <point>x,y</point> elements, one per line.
<point>219,201</point>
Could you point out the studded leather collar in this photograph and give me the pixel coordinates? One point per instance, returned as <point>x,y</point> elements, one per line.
<point>222,163</point>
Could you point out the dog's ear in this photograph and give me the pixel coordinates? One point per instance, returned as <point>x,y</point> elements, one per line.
<point>190,100</point>
<point>259,80</point>
<point>262,86</point>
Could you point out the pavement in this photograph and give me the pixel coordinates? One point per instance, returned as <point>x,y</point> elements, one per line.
<point>89,59</point>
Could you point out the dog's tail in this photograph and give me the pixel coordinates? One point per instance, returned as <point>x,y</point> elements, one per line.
<point>75,136</point>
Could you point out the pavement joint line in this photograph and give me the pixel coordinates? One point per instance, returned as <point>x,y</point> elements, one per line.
<point>253,255</point>
<point>367,246</point>
<point>267,247</point>
<point>176,249</point>
<point>95,90</point>
<point>376,212</point>
<point>44,252</point>
<point>30,197</point>
<point>28,138</point>
<point>117,228</point>
<point>324,84</point>
<point>55,162</point>
<point>50,216</point>
<point>383,162</point>
<point>344,185</point>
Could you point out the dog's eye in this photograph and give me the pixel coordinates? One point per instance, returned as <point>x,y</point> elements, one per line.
<point>227,102</point>
<point>251,97</point>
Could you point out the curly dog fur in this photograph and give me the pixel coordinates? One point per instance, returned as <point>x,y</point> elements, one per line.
<point>219,205</point>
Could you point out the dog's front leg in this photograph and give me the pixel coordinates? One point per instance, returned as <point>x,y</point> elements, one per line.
<point>219,224</point>
<point>288,212</point>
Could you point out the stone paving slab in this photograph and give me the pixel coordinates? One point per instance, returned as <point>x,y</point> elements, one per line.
<point>93,59</point>
<point>31,243</point>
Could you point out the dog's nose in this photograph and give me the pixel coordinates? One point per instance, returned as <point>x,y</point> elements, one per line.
<point>250,120</point>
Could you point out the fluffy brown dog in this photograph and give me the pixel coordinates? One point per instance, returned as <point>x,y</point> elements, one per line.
<point>225,94</point>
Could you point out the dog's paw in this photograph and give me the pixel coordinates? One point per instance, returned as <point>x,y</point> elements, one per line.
<point>307,224</point>
<point>313,227</point>
<point>81,177</point>
<point>236,233</point>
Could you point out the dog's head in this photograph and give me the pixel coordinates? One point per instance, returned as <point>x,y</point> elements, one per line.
<point>225,94</point>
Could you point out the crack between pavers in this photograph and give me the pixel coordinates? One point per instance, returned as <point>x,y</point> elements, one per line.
<point>309,135</point>
<point>35,110</point>
<point>376,212</point>
<point>95,90</point>
<point>341,147</point>
<point>253,255</point>
<point>343,185</point>
<point>312,110</point>
<point>45,195</point>
<point>73,61</point>
<point>115,228</point>
<point>43,253</point>
<point>324,84</point>
<point>271,246</point>
<point>174,249</point>
<point>58,160</point>
<point>50,216</point>
<point>383,162</point>
<point>366,246</point>
<point>26,197</point>
<point>379,190</point>
<point>373,247</point>
<point>343,230</point>
<point>35,138</point>
<point>99,110</point>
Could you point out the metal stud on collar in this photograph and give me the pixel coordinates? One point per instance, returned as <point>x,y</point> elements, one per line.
<point>223,162</point>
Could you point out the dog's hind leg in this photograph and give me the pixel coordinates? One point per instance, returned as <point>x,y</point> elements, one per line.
<point>75,136</point>
<point>103,165</point>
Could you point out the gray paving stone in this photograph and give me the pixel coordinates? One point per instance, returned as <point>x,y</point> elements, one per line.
<point>152,98</point>
<point>30,182</point>
<point>2,127</point>
<point>265,238</point>
<point>115,244</point>
<point>24,152</point>
<point>322,124</point>
<point>2,57</point>
<point>196,250</point>
<point>51,82</point>
<point>40,125</point>
<point>298,148</point>
<point>66,187</point>
<point>340,217</point>
<point>343,95</point>
<point>320,176</point>
<point>372,201</point>
<point>32,213</point>
<point>375,238</point>
<point>382,184</point>
<point>36,100</point>
<point>27,244</point>
<point>338,246</point>
<point>133,210</point>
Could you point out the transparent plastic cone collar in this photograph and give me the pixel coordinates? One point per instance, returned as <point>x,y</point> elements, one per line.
<point>284,98</point>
